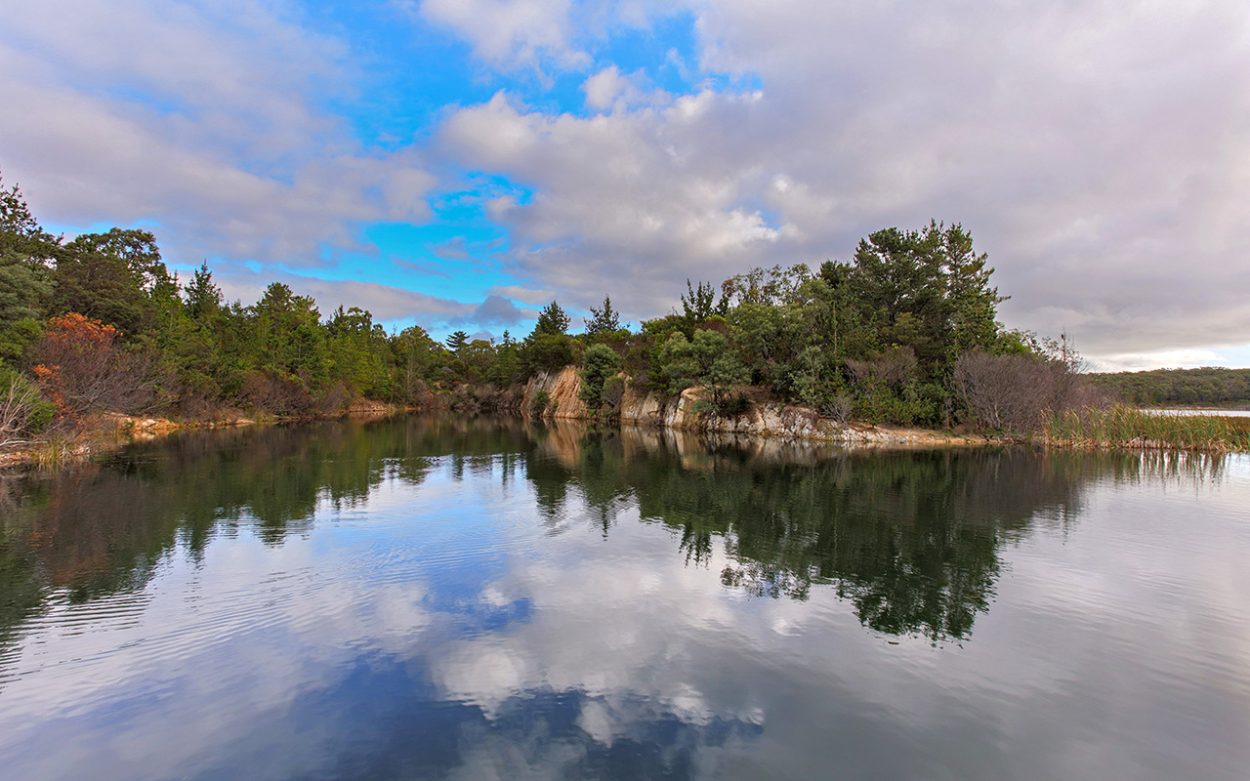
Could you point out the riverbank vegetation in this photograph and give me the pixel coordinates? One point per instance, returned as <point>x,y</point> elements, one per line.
<point>1122,426</point>
<point>904,332</point>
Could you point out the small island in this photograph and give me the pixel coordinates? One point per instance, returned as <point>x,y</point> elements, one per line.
<point>900,344</point>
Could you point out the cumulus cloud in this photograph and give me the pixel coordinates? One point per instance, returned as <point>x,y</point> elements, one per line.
<point>511,33</point>
<point>1097,151</point>
<point>200,117</point>
<point>385,302</point>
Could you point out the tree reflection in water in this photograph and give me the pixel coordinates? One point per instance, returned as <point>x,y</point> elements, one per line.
<point>912,539</point>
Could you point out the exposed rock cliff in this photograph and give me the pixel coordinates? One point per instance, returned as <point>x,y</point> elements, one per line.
<point>563,395</point>
<point>761,420</point>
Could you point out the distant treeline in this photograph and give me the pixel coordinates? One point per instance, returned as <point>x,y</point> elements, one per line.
<point>1185,387</point>
<point>903,332</point>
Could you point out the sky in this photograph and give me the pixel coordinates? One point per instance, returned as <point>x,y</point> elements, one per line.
<point>459,163</point>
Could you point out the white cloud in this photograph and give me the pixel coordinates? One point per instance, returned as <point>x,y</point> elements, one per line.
<point>199,117</point>
<point>1099,152</point>
<point>523,294</point>
<point>610,90</point>
<point>511,33</point>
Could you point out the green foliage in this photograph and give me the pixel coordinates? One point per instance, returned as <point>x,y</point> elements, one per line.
<point>23,409</point>
<point>552,321</point>
<point>598,365</point>
<point>703,361</point>
<point>203,297</point>
<point>604,321</point>
<point>699,303</point>
<point>116,277</point>
<point>540,404</point>
<point>547,352</point>
<point>25,253</point>
<point>16,339</point>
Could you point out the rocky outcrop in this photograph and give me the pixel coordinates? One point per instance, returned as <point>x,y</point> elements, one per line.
<point>561,392</point>
<point>762,420</point>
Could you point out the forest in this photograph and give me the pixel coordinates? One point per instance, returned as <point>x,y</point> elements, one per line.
<point>903,332</point>
<point>1210,387</point>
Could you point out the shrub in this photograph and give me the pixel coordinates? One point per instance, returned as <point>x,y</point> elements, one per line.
<point>277,395</point>
<point>600,363</point>
<point>548,353</point>
<point>613,392</point>
<point>23,410</point>
<point>707,360</point>
<point>83,368</point>
<point>1016,393</point>
<point>538,407</point>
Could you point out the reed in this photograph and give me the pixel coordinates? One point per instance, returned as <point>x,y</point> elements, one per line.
<point>1121,426</point>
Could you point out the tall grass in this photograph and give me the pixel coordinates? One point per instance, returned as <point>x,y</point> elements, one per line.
<point>1122,426</point>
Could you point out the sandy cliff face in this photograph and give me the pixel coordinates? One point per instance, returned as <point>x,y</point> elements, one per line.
<point>563,389</point>
<point>768,420</point>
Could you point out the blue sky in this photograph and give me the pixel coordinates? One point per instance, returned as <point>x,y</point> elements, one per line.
<point>458,163</point>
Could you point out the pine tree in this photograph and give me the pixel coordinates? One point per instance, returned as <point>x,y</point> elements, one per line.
<point>552,320</point>
<point>604,320</point>
<point>203,296</point>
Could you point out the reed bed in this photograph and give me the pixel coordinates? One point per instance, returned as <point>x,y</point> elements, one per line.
<point>1122,426</point>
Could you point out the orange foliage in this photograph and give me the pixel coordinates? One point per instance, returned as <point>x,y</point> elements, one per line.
<point>81,367</point>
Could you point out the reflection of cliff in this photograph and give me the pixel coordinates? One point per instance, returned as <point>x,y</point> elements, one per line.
<point>912,538</point>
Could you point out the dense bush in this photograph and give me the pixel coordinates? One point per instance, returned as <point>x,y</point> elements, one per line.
<point>23,410</point>
<point>1017,394</point>
<point>600,364</point>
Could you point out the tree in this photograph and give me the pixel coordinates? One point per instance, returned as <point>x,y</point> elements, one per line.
<point>457,341</point>
<point>604,320</point>
<point>26,250</point>
<point>552,320</point>
<point>287,337</point>
<point>898,282</point>
<point>359,353</point>
<point>704,361</point>
<point>547,352</point>
<point>699,303</point>
<point>115,277</point>
<point>203,296</point>
<point>418,358</point>
<point>971,301</point>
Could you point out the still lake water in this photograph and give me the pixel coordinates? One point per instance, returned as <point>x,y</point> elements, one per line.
<point>457,599</point>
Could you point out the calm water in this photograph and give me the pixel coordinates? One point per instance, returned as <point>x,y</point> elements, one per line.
<point>412,599</point>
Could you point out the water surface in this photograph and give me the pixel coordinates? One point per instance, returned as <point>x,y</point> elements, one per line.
<point>457,599</point>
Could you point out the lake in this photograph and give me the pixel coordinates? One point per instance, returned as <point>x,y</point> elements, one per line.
<point>421,598</point>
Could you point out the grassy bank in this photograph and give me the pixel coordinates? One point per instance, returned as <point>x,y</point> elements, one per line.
<point>1128,427</point>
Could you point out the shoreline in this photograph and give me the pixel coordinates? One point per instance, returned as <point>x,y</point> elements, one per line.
<point>107,433</point>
